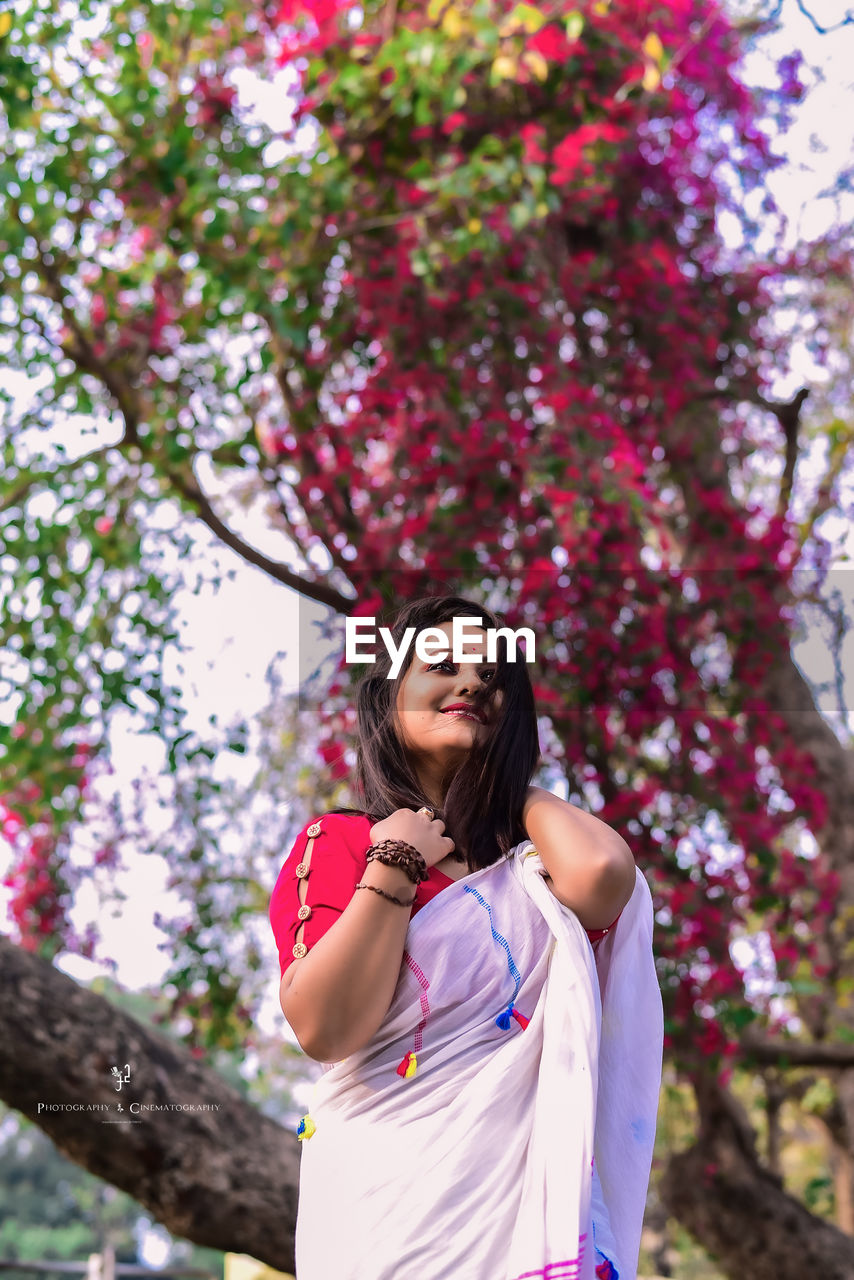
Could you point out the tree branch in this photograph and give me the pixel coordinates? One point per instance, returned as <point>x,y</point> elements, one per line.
<point>339,497</point>
<point>788,416</point>
<point>17,495</point>
<point>799,1053</point>
<point>49,475</point>
<point>84,356</point>
<point>201,1159</point>
<point>273,568</point>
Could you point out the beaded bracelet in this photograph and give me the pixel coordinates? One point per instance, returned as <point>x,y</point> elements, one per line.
<point>388,896</point>
<point>397,853</point>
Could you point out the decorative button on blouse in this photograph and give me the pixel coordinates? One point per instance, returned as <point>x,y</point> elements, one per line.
<point>304,912</point>
<point>302,871</point>
<point>300,950</point>
<point>314,830</point>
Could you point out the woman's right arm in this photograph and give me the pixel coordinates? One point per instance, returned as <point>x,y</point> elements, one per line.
<point>336,996</point>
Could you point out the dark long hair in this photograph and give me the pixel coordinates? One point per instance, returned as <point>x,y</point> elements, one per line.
<point>484,796</point>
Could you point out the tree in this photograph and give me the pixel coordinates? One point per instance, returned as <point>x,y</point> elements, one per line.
<point>468,321</point>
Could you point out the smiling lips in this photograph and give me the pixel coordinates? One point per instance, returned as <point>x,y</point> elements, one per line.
<point>465,710</point>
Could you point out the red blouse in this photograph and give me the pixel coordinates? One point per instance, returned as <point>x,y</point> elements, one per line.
<point>329,856</point>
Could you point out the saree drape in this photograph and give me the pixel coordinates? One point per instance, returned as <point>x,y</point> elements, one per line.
<point>500,1124</point>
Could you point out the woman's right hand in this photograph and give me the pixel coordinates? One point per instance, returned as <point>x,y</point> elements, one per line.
<point>417,829</point>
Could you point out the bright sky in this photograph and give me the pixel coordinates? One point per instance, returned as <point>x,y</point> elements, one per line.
<point>233,635</point>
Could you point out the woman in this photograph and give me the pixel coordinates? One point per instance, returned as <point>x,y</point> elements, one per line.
<point>491,1108</point>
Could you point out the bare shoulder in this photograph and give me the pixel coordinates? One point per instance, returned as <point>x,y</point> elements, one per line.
<point>590,866</point>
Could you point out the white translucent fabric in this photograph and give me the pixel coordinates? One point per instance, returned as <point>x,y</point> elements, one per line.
<point>481,1165</point>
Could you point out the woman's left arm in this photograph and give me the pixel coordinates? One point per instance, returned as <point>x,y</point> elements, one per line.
<point>590,866</point>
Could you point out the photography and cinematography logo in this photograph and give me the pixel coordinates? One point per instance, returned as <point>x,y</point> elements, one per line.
<point>119,1113</point>
<point>121,1078</point>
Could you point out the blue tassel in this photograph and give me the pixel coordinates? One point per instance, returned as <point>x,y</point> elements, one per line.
<point>503,1019</point>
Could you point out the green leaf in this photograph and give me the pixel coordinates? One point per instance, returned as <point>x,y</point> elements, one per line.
<point>574,25</point>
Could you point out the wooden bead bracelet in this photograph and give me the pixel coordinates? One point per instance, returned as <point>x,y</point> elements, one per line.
<point>388,896</point>
<point>398,853</point>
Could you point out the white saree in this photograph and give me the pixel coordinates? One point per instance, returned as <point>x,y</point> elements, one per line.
<point>513,1151</point>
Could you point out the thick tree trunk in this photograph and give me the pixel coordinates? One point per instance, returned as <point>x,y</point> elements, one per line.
<point>828,1021</point>
<point>208,1165</point>
<point>789,694</point>
<point>826,1018</point>
<point>739,1211</point>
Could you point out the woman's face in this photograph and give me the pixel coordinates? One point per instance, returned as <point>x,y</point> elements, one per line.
<point>438,721</point>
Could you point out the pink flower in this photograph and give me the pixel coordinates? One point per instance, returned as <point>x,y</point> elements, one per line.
<point>145,44</point>
<point>532,135</point>
<point>140,241</point>
<point>551,43</point>
<point>454,121</point>
<point>567,156</point>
